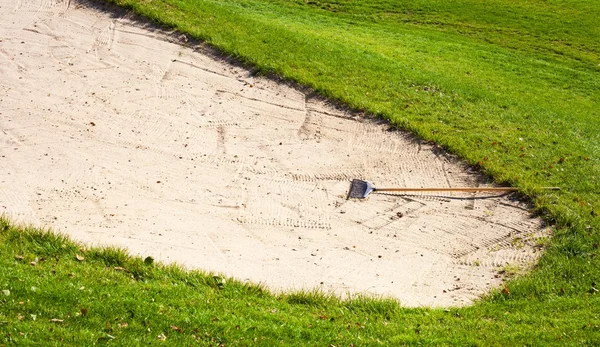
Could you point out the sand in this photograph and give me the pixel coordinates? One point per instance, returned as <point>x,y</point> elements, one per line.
<point>115,133</point>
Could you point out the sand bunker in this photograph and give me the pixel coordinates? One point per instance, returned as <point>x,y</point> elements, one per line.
<point>114,135</point>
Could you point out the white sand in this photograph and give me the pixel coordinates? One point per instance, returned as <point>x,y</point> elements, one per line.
<point>115,136</point>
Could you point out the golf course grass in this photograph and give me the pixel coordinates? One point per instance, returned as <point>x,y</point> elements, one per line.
<point>512,87</point>
<point>55,292</point>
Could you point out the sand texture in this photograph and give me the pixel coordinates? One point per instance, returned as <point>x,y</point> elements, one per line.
<point>114,133</point>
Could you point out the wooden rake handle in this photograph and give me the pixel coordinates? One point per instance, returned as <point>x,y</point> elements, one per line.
<point>482,189</point>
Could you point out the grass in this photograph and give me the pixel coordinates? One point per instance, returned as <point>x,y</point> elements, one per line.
<point>511,86</point>
<point>56,292</point>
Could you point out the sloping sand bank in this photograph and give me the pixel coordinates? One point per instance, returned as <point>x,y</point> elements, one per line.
<point>114,135</point>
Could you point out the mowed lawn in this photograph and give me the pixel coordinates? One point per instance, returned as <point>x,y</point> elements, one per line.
<point>511,86</point>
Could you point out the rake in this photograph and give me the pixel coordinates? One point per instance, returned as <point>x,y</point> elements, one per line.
<point>360,189</point>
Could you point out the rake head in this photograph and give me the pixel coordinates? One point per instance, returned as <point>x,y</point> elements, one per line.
<point>360,189</point>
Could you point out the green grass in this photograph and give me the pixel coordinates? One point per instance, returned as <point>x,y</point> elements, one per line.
<point>512,86</point>
<point>55,292</point>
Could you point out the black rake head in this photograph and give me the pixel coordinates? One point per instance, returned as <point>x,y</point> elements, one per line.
<point>360,189</point>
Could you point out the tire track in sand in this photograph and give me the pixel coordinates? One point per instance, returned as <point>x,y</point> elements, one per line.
<point>52,7</point>
<point>285,203</point>
<point>104,39</point>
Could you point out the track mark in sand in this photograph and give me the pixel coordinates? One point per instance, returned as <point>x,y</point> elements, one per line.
<point>166,73</point>
<point>467,240</point>
<point>507,243</point>
<point>205,116</point>
<point>20,68</point>
<point>263,167</point>
<point>58,50</point>
<point>217,249</point>
<point>143,130</point>
<point>78,201</point>
<point>238,95</point>
<point>312,124</point>
<point>221,149</point>
<point>100,209</point>
<point>344,116</point>
<point>61,53</point>
<point>278,183</point>
<point>220,155</point>
<point>220,123</point>
<point>201,68</point>
<point>150,128</point>
<point>10,139</point>
<point>445,171</point>
<point>499,260</point>
<point>337,175</point>
<point>168,92</point>
<point>285,203</point>
<point>423,197</point>
<point>55,7</point>
<point>473,238</point>
<point>16,205</point>
<point>235,163</point>
<point>136,33</point>
<point>371,137</point>
<point>407,170</point>
<point>240,80</point>
<point>517,227</point>
<point>392,214</point>
<point>105,38</point>
<point>83,175</point>
<point>287,222</point>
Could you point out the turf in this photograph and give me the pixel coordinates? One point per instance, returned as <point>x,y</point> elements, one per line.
<point>511,86</point>
<point>55,292</point>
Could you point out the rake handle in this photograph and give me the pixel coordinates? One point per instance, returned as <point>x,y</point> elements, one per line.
<point>483,189</point>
